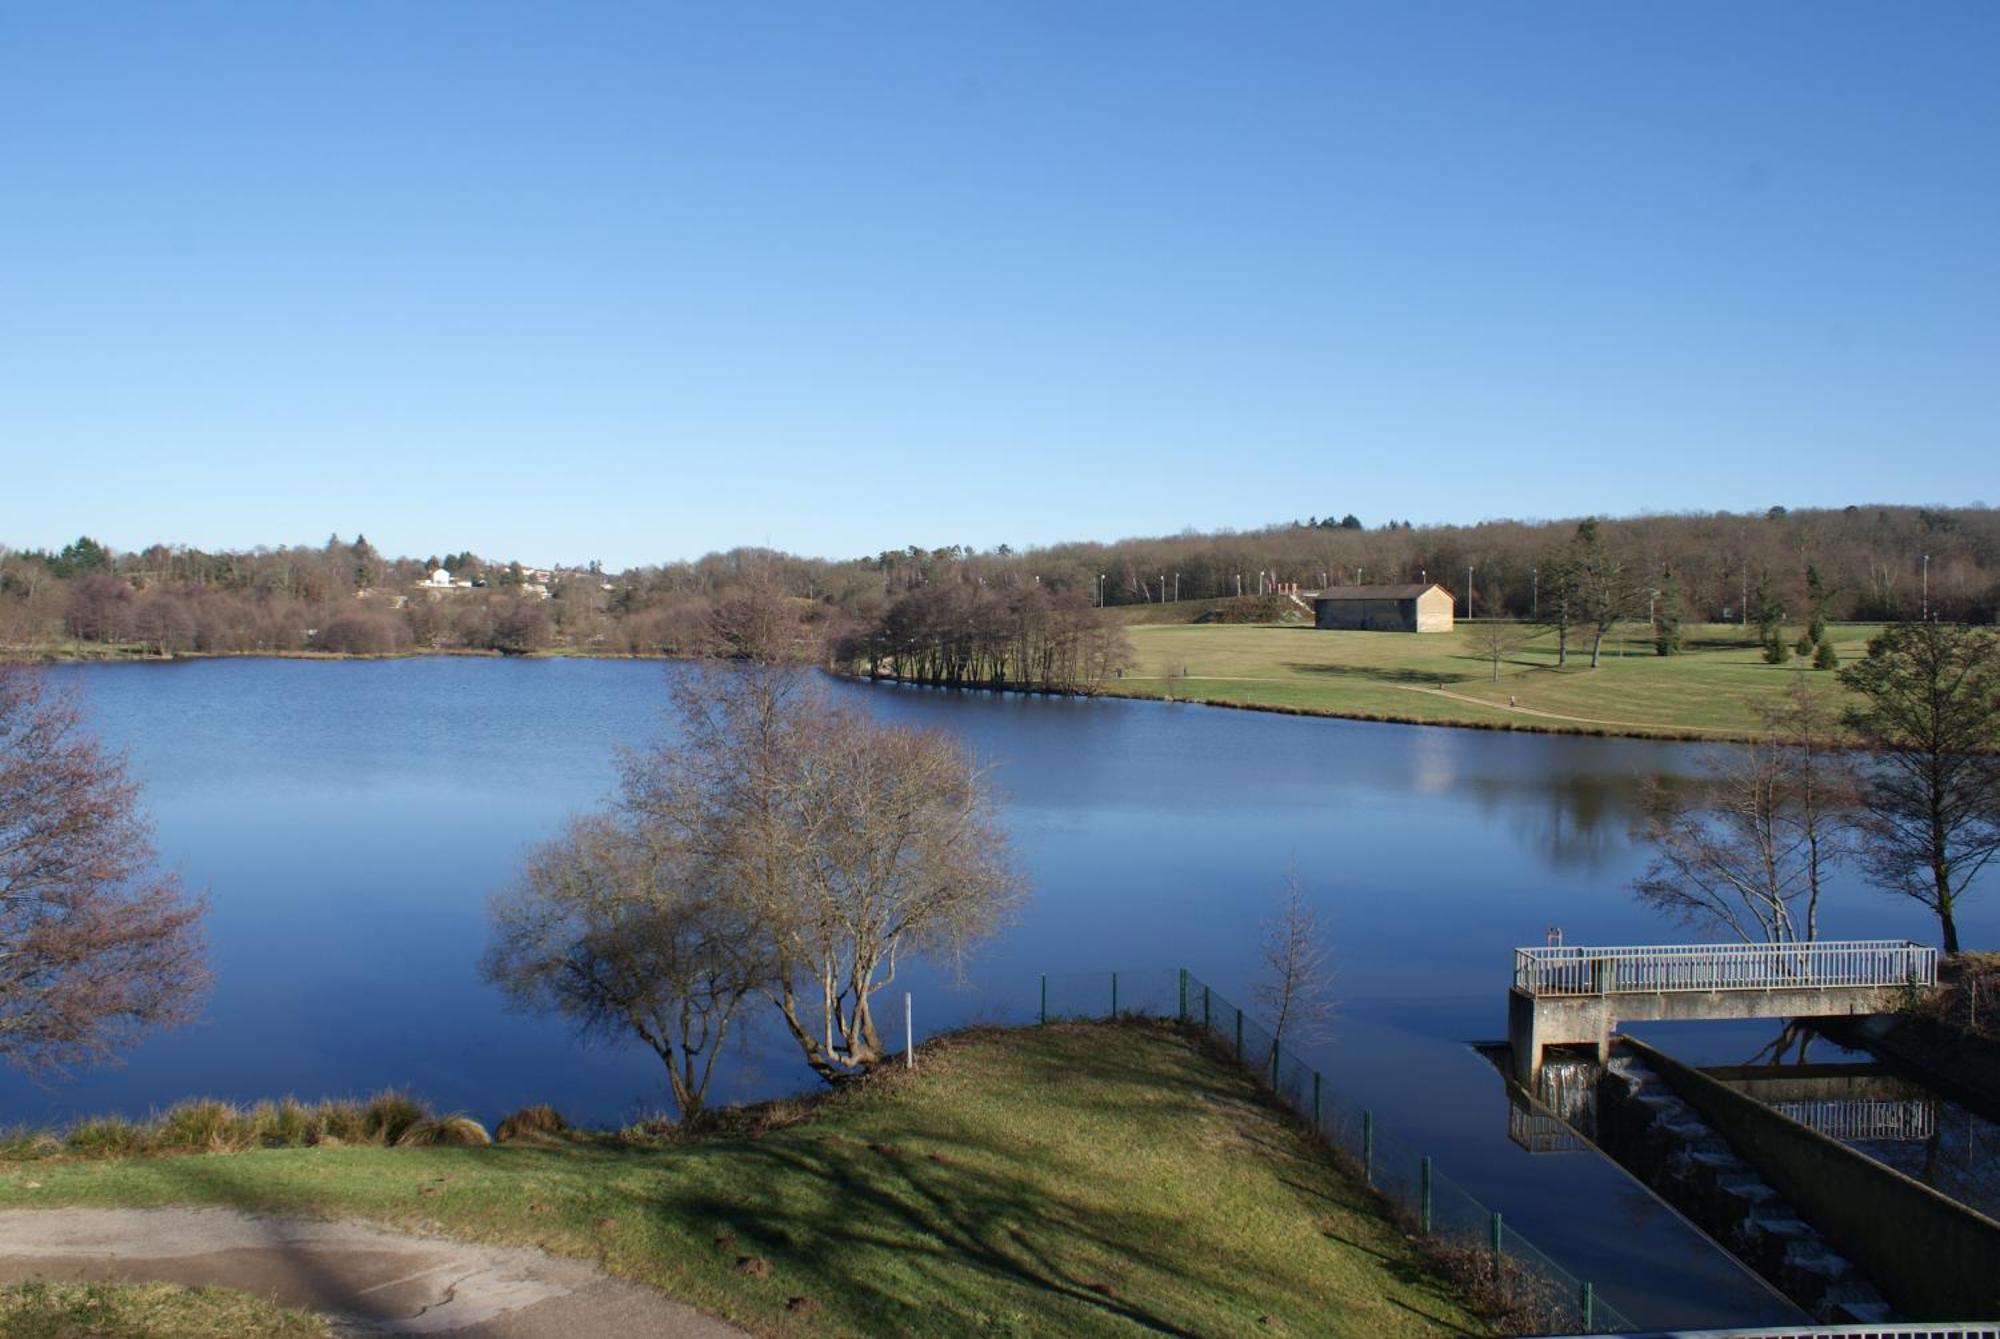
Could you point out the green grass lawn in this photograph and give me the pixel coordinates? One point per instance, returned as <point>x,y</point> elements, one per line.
<point>1071,1179</point>
<point>145,1311</point>
<point>1710,691</point>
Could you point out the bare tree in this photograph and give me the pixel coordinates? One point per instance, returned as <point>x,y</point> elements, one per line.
<point>96,947</point>
<point>847,845</point>
<point>1931,715</point>
<point>1495,640</point>
<point>625,939</point>
<point>1748,849</point>
<point>1294,990</point>
<point>1604,590</point>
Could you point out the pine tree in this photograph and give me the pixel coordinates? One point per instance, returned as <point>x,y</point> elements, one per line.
<point>1667,615</point>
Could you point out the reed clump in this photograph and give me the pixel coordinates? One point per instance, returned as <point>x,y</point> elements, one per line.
<point>207,1125</point>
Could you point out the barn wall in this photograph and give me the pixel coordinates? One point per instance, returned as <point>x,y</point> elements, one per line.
<point>1365,615</point>
<point>1434,612</point>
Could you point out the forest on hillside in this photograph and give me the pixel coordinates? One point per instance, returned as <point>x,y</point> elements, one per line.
<point>965,615</point>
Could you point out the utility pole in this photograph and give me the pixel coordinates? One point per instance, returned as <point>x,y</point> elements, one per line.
<point>1927,588</point>
<point>1743,614</point>
<point>1239,585</point>
<point>1100,590</point>
<point>1535,592</point>
<point>1177,588</point>
<point>1468,590</point>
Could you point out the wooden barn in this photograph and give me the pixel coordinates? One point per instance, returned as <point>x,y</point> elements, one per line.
<point>1412,608</point>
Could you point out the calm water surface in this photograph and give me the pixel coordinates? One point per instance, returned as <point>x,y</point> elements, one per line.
<point>349,820</point>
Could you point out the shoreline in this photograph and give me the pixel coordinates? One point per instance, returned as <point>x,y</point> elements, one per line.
<point>1533,723</point>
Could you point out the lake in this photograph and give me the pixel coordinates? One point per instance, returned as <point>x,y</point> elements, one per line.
<point>349,820</point>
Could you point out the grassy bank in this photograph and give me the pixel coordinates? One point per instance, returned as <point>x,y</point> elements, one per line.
<point>145,1311</point>
<point>1710,691</point>
<point>1074,1179</point>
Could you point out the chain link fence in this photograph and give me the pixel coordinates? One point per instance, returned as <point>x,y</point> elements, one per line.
<point>1473,1244</point>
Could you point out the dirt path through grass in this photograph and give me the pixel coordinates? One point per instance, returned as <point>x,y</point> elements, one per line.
<point>1558,716</point>
<point>367,1280</point>
<point>1658,726</point>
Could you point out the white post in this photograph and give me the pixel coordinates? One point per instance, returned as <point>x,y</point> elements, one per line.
<point>909,1042</point>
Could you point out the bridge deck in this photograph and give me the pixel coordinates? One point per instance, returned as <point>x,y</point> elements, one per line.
<point>1658,968</point>
<point>1571,995</point>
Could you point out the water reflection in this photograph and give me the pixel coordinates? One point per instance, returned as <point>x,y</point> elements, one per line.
<point>1574,821</point>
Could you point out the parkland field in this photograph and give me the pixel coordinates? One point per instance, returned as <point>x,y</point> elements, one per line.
<point>1712,690</point>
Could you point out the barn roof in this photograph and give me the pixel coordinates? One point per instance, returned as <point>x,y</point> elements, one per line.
<point>1409,592</point>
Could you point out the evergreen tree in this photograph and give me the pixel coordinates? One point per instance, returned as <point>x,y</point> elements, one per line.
<point>1766,612</point>
<point>1816,597</point>
<point>1667,615</point>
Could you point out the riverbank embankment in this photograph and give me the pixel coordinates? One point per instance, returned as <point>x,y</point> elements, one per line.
<point>1076,1178</point>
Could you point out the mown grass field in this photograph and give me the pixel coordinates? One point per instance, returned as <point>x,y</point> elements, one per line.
<point>1089,1179</point>
<point>1711,691</point>
<point>146,1311</point>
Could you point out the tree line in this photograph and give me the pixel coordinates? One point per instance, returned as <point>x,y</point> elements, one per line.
<point>1021,612</point>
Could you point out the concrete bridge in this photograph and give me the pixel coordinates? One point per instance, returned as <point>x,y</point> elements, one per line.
<point>1573,995</point>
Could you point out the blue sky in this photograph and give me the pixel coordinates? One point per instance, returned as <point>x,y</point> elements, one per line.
<point>638,281</point>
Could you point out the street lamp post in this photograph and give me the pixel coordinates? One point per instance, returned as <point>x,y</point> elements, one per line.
<point>1927,587</point>
<point>1100,590</point>
<point>1535,592</point>
<point>1468,590</point>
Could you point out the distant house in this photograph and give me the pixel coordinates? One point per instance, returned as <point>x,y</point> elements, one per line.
<point>438,578</point>
<point>1413,608</point>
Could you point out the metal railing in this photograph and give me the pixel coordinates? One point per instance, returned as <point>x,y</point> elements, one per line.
<point>1661,968</point>
<point>1428,1203</point>
<point>1849,1118</point>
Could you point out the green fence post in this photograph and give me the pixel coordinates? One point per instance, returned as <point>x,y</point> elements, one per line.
<point>1114,994</point>
<point>1427,1194</point>
<point>1588,1302</point>
<point>1183,1013</point>
<point>1204,1007</point>
<point>1368,1148</point>
<point>1239,1035</point>
<point>1316,1120</point>
<point>1045,997</point>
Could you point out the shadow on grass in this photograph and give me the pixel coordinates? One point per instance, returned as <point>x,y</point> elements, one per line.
<point>1376,674</point>
<point>917,1211</point>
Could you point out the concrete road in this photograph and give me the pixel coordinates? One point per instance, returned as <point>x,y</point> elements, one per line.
<point>368,1281</point>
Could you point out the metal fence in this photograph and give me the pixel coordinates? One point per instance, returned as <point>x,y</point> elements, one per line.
<point>1656,969</point>
<point>1908,1120</point>
<point>1476,1239</point>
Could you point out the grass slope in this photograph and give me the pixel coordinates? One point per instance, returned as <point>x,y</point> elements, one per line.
<point>145,1311</point>
<point>1083,1179</point>
<point>1710,691</point>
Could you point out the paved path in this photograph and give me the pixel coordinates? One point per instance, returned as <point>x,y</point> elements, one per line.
<point>369,1281</point>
